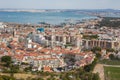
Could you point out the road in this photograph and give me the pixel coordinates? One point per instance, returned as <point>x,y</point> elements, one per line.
<point>112,65</point>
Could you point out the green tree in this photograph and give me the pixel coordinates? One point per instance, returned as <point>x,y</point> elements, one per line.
<point>6,78</point>
<point>40,79</point>
<point>112,57</point>
<point>110,50</point>
<point>96,77</point>
<point>91,66</point>
<point>7,60</point>
<point>96,49</point>
<point>13,69</point>
<point>98,55</point>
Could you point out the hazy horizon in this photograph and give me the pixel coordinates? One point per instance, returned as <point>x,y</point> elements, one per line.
<point>60,9</point>
<point>60,4</point>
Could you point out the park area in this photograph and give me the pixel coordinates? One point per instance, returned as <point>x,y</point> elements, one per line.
<point>112,73</point>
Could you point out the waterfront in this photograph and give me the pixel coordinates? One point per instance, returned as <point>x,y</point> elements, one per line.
<point>36,17</point>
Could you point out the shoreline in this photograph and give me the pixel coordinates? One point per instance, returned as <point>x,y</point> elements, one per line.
<point>46,23</point>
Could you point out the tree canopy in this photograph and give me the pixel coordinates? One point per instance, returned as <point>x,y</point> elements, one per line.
<point>110,22</point>
<point>7,60</point>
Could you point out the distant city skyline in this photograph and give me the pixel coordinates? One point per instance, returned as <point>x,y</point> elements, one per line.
<point>60,4</point>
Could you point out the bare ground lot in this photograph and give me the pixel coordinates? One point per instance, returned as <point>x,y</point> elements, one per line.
<point>99,68</point>
<point>20,75</point>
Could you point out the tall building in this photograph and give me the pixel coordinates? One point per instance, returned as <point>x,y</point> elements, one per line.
<point>101,43</point>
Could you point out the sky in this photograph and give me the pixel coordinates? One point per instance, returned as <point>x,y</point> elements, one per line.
<point>61,4</point>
